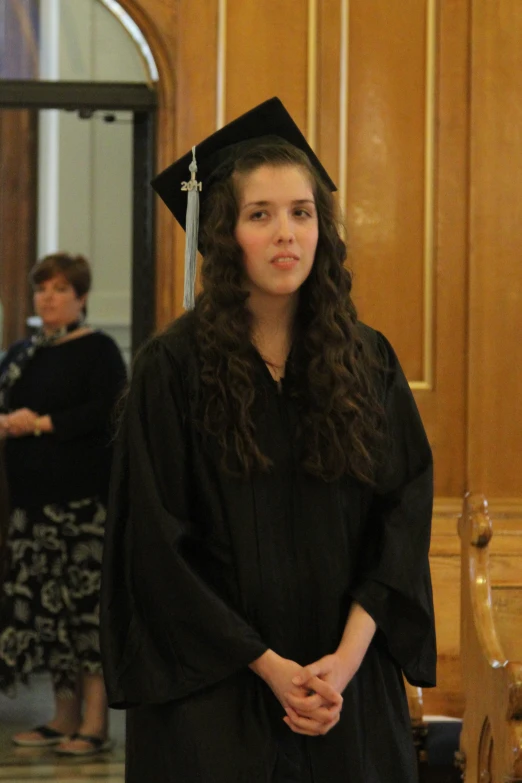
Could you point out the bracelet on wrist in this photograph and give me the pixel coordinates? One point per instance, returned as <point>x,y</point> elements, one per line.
<point>37,431</point>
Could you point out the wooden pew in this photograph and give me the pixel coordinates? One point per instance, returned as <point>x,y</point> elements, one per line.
<point>436,740</point>
<point>448,697</point>
<point>491,647</point>
<point>418,725</point>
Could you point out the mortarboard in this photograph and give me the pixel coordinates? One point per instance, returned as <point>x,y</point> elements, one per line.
<point>213,157</point>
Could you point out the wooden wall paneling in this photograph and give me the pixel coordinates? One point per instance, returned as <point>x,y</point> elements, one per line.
<point>386,169</point>
<point>447,697</point>
<point>444,409</point>
<point>331,87</point>
<point>18,151</point>
<point>201,41</point>
<point>406,207</point>
<point>267,55</point>
<point>495,347</point>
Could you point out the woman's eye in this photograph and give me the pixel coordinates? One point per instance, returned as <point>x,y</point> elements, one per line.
<point>302,213</point>
<point>259,215</point>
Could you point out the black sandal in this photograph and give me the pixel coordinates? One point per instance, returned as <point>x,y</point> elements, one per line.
<point>48,737</point>
<point>98,745</point>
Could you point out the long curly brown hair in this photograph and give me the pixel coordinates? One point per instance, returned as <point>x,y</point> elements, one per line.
<point>340,413</point>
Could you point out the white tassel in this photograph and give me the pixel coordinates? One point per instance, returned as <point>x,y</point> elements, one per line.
<point>192,230</point>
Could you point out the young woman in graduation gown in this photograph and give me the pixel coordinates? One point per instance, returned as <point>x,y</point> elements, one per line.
<point>266,580</point>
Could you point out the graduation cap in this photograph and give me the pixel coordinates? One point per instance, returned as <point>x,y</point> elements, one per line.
<point>185,183</point>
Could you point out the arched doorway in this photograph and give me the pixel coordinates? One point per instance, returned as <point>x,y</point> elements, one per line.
<point>90,94</point>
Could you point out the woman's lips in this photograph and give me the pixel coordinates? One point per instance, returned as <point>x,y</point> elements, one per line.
<point>285,262</point>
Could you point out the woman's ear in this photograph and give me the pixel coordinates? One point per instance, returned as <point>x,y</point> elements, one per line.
<point>82,300</point>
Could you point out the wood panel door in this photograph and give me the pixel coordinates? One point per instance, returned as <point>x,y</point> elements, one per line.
<point>495,369</point>
<point>403,177</point>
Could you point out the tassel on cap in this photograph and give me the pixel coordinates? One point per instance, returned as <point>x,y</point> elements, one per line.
<point>192,228</point>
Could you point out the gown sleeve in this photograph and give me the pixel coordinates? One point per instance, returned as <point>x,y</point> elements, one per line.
<point>164,632</point>
<point>395,585</point>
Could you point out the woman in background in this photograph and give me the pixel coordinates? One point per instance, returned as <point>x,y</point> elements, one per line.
<point>57,394</point>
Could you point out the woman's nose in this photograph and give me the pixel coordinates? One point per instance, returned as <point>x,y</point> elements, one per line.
<point>285,231</point>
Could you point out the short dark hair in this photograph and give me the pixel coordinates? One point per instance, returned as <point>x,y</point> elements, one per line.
<point>75,269</point>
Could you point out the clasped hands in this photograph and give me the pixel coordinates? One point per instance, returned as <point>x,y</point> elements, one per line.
<point>310,695</point>
<point>18,423</point>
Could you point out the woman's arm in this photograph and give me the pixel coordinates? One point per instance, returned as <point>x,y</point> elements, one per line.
<point>358,633</point>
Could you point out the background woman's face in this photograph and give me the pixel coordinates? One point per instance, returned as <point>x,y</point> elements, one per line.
<point>277,229</point>
<point>57,303</point>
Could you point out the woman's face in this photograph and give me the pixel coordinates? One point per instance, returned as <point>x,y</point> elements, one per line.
<point>277,229</point>
<point>56,302</point>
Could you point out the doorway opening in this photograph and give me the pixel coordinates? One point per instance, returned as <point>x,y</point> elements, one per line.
<point>77,152</point>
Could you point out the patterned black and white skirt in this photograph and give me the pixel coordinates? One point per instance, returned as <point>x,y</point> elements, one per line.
<point>49,609</point>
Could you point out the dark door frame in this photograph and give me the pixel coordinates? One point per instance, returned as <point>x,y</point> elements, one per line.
<point>87,98</point>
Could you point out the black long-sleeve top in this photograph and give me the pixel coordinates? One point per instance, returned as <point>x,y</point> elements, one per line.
<point>76,383</point>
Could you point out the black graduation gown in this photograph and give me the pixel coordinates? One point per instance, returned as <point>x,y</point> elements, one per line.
<point>203,572</point>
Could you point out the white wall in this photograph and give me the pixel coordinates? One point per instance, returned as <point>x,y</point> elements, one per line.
<point>85,165</point>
